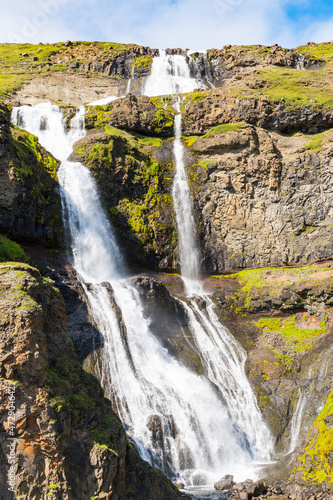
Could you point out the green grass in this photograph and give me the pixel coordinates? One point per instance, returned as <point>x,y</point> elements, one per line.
<point>322,51</point>
<point>31,156</point>
<point>294,88</point>
<point>316,142</point>
<point>195,96</point>
<point>143,61</point>
<point>256,279</point>
<point>188,141</point>
<point>260,284</point>
<point>10,251</point>
<point>149,141</point>
<point>41,59</point>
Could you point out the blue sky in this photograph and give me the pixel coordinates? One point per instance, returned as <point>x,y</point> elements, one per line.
<point>194,24</point>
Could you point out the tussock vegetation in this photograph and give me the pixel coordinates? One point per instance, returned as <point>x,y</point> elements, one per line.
<point>11,251</point>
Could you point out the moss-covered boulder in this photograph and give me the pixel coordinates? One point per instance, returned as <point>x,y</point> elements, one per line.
<point>134,176</point>
<point>141,114</point>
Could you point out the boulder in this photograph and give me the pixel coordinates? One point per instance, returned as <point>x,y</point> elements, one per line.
<point>256,489</point>
<point>225,483</point>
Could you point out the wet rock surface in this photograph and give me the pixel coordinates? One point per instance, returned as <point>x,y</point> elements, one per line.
<point>261,201</point>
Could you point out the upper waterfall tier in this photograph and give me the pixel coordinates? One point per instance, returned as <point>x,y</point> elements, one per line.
<point>170,74</point>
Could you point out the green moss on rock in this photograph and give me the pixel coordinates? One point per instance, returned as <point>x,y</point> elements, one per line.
<point>293,331</point>
<point>316,462</point>
<point>32,157</point>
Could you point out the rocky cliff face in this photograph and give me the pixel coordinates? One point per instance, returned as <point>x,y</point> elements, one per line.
<point>69,442</point>
<point>261,198</point>
<point>75,73</point>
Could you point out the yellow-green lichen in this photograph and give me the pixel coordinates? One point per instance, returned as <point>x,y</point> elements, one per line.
<point>301,338</point>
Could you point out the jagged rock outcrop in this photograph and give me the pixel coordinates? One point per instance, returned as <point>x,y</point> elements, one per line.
<point>260,198</point>
<point>69,442</point>
<point>30,205</point>
<point>211,108</point>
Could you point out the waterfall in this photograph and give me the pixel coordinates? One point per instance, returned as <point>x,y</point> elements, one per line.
<point>104,100</point>
<point>189,426</point>
<point>170,74</point>
<point>317,373</point>
<point>206,64</point>
<point>222,356</point>
<point>296,421</point>
<point>187,236</point>
<point>301,62</point>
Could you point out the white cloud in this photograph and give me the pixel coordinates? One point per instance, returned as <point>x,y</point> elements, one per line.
<point>167,23</point>
<point>34,21</point>
<point>320,32</point>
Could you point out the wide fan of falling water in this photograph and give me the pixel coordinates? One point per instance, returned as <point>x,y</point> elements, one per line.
<point>222,356</point>
<point>193,428</point>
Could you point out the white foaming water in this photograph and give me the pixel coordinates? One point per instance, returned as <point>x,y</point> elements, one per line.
<point>224,361</point>
<point>176,417</point>
<point>300,62</point>
<point>170,75</point>
<point>187,235</point>
<point>104,100</point>
<point>208,76</point>
<point>296,421</point>
<point>222,356</point>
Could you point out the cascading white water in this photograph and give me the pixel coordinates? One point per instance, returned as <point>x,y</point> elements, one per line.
<point>301,62</point>
<point>224,361</point>
<point>296,421</point>
<point>170,74</point>
<point>222,355</point>
<point>315,374</point>
<point>187,235</point>
<point>197,72</point>
<point>177,418</point>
